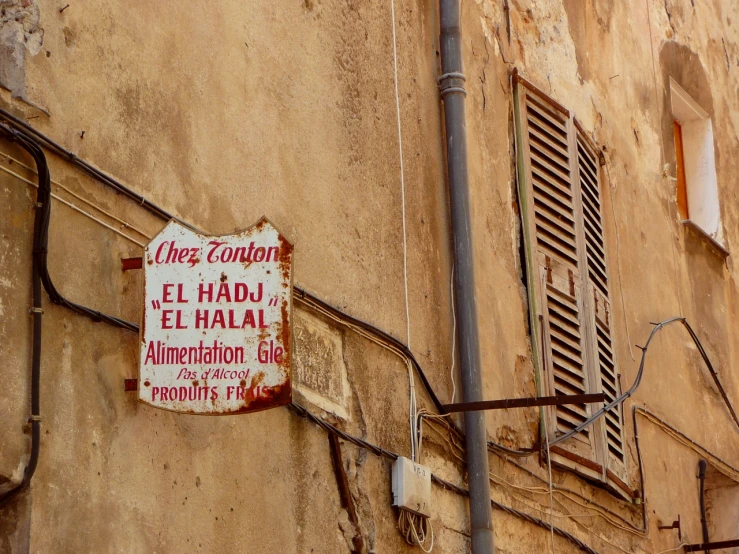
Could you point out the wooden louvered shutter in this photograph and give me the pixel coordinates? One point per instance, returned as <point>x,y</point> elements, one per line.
<point>598,305</point>
<point>550,208</point>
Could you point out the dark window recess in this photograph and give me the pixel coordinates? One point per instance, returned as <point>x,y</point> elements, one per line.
<point>559,188</point>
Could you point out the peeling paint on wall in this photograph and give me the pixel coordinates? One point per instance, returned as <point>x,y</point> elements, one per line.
<point>20,35</point>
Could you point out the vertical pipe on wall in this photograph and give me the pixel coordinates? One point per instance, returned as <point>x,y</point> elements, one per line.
<point>453,94</point>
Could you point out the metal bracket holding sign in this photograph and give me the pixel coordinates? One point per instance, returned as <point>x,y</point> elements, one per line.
<point>216,329</point>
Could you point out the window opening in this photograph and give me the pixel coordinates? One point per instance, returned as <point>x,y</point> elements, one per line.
<point>559,179</point>
<point>697,186</point>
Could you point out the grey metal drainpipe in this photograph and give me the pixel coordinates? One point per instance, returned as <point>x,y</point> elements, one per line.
<point>451,84</point>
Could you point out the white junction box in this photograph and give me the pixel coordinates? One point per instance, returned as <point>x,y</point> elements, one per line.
<point>412,486</point>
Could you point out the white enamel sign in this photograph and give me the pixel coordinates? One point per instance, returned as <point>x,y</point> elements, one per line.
<point>216,333</point>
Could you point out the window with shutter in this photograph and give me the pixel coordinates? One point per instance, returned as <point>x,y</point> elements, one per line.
<point>567,279</point>
<point>599,309</point>
<point>552,217</point>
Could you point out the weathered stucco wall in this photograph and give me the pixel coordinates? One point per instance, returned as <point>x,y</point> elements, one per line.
<point>225,112</point>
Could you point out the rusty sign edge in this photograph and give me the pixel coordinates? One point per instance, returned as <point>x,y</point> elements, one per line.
<point>289,383</point>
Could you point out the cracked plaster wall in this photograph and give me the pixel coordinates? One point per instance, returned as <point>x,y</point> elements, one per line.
<point>20,36</point>
<point>303,130</point>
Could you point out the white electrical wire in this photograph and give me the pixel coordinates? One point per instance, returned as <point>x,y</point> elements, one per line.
<point>402,174</point>
<point>416,529</point>
<point>124,224</point>
<point>411,384</point>
<point>549,471</point>
<point>75,208</point>
<point>412,413</point>
<point>412,519</point>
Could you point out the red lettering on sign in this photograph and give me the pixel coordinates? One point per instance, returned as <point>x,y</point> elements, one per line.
<point>241,292</point>
<point>166,294</point>
<point>223,292</point>
<point>258,296</point>
<point>248,319</point>
<point>236,391</point>
<point>201,319</point>
<point>261,320</point>
<point>241,254</point>
<point>193,259</point>
<point>176,255</point>
<point>268,353</point>
<point>165,319</point>
<point>218,319</point>
<point>212,256</point>
<point>178,321</point>
<point>159,252</point>
<point>203,293</point>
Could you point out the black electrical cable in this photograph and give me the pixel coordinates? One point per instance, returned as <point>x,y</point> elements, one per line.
<point>386,337</point>
<point>625,395</point>
<point>637,381</point>
<point>712,371</point>
<point>664,425</point>
<point>16,133</point>
<point>40,276</point>
<point>45,198</point>
<point>397,344</point>
<point>381,452</point>
<point>20,128</point>
<point>43,202</point>
<point>88,168</point>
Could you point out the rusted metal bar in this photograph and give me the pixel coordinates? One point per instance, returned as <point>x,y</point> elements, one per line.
<point>712,545</point>
<point>347,502</point>
<point>525,402</point>
<point>132,263</point>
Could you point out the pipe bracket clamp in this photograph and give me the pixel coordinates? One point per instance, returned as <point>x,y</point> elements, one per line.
<point>452,82</point>
<point>35,310</point>
<point>33,418</point>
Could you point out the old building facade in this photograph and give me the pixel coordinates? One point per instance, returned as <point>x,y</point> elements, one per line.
<point>601,139</point>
